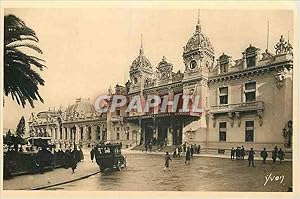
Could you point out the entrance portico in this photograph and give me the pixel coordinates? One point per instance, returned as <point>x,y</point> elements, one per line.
<point>166,128</point>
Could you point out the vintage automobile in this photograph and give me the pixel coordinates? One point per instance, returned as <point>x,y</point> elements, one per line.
<point>108,156</point>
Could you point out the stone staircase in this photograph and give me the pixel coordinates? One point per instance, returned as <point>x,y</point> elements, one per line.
<point>155,148</point>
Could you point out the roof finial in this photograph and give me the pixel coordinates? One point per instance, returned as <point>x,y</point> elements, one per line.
<point>198,26</point>
<point>141,49</point>
<point>199,16</point>
<point>268,37</point>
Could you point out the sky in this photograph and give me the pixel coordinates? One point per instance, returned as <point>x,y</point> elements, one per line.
<point>87,50</point>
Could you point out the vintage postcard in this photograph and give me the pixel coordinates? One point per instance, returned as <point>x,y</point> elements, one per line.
<point>149,99</point>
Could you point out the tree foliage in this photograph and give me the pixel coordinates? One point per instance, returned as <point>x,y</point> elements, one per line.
<point>21,127</point>
<point>21,80</point>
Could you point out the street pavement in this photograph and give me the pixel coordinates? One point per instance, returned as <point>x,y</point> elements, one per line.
<point>145,173</point>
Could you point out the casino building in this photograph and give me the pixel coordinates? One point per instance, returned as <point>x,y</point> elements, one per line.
<point>246,101</point>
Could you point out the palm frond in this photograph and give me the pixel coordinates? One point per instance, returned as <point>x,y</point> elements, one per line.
<point>27,45</point>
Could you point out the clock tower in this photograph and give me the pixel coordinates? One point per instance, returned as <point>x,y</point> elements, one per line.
<point>141,72</point>
<point>198,57</point>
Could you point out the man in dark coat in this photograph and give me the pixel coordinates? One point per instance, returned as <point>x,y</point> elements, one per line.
<point>274,154</point>
<point>74,160</point>
<point>251,157</point>
<point>199,149</point>
<point>188,155</point>
<point>167,161</point>
<point>92,154</point>
<point>280,155</point>
<point>264,155</point>
<point>184,147</point>
<point>232,153</point>
<point>81,154</point>
<point>243,152</point>
<point>192,151</point>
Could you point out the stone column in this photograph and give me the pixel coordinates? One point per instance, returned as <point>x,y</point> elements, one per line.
<point>170,97</point>
<point>94,134</point>
<point>63,133</point>
<point>51,132</point>
<point>77,136</point>
<point>139,133</point>
<point>58,132</point>
<point>100,136</point>
<point>170,135</point>
<point>85,136</point>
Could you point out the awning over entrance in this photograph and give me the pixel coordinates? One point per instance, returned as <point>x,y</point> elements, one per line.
<point>161,115</point>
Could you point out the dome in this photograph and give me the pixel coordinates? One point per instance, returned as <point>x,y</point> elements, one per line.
<point>141,62</point>
<point>82,106</point>
<point>198,40</point>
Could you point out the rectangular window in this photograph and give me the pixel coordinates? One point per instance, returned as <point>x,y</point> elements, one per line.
<point>249,131</point>
<point>224,68</point>
<point>118,136</point>
<point>250,91</point>
<point>118,129</point>
<point>223,95</point>
<point>222,131</point>
<point>250,61</point>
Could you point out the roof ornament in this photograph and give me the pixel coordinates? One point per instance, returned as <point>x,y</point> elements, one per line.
<point>198,26</point>
<point>142,49</point>
<point>283,47</point>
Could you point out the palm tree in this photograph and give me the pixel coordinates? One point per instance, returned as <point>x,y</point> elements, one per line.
<point>21,80</point>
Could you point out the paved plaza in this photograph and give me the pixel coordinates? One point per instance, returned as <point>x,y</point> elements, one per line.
<point>145,173</point>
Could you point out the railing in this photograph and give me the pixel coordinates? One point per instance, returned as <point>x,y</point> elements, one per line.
<point>253,105</point>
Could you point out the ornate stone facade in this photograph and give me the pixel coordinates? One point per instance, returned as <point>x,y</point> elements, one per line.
<point>79,124</point>
<point>247,100</point>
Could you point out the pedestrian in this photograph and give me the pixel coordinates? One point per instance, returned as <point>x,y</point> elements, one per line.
<point>274,154</point>
<point>232,153</point>
<point>243,152</point>
<point>280,155</point>
<point>192,151</point>
<point>67,158</point>
<point>251,157</point>
<point>174,154</point>
<point>264,155</point>
<point>92,153</point>
<point>188,155</point>
<point>150,147</point>
<point>179,150</point>
<point>199,149</point>
<point>184,147</point>
<point>81,154</point>
<point>73,160</point>
<point>167,161</point>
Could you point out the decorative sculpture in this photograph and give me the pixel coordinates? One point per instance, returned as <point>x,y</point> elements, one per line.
<point>283,47</point>
<point>238,117</point>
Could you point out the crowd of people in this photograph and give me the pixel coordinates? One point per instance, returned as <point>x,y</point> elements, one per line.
<point>239,153</point>
<point>67,158</point>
